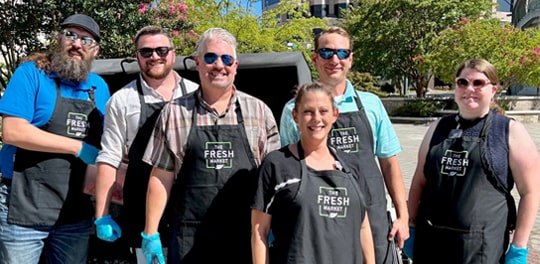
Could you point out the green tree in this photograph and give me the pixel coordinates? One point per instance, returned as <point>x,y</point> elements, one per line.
<point>512,51</point>
<point>27,26</point>
<point>391,37</point>
<point>22,34</point>
<point>264,33</point>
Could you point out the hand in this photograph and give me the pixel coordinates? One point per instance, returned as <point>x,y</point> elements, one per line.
<point>409,243</point>
<point>107,229</point>
<point>151,247</point>
<point>400,229</point>
<point>516,255</point>
<point>88,153</point>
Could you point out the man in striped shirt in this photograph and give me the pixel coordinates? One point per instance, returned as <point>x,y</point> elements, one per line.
<point>204,150</point>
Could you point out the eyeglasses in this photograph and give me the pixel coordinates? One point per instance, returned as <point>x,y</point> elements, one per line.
<point>160,51</point>
<point>327,53</point>
<point>85,41</point>
<point>211,57</point>
<point>477,84</point>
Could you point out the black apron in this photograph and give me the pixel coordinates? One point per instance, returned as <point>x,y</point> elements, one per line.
<point>352,133</point>
<point>329,210</point>
<point>47,187</point>
<point>133,216</point>
<point>462,217</point>
<point>213,191</point>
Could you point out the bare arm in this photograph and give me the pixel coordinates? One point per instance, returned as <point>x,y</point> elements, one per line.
<point>20,133</point>
<point>159,187</point>
<point>524,163</point>
<point>396,188</point>
<point>260,228</point>
<point>419,180</point>
<point>366,239</point>
<point>105,178</point>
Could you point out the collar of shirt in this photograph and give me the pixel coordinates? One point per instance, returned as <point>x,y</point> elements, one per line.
<point>347,97</point>
<point>147,90</point>
<point>208,108</point>
<point>83,85</point>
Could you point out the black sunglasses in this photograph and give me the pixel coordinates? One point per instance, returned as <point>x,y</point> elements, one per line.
<point>211,57</point>
<point>160,51</point>
<point>477,84</point>
<point>85,41</point>
<point>327,53</point>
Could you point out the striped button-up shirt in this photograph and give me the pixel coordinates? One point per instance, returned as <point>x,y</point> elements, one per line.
<point>167,146</point>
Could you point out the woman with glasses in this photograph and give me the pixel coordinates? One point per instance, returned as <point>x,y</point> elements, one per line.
<point>364,129</point>
<point>204,150</point>
<point>460,205</point>
<point>308,193</point>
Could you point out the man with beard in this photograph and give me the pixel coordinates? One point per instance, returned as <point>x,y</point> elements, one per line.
<point>52,122</point>
<point>130,117</point>
<point>204,150</point>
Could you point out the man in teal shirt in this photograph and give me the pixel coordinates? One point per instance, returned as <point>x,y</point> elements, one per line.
<point>363,128</point>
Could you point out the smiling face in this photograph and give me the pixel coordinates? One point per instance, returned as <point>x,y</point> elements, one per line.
<point>332,71</point>
<point>155,66</point>
<point>216,74</point>
<point>474,98</point>
<point>72,60</point>
<point>314,114</point>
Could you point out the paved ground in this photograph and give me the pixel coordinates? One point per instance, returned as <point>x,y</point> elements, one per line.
<point>411,136</point>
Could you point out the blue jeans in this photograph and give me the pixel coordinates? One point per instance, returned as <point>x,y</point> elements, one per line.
<point>24,244</point>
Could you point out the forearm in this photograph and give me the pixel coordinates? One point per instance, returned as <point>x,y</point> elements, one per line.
<point>260,228</point>
<point>366,239</point>
<point>259,244</point>
<point>526,215</point>
<point>105,178</point>
<point>20,133</point>
<point>393,179</point>
<point>159,186</point>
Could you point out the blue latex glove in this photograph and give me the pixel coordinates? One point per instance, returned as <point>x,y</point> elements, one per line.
<point>409,243</point>
<point>88,153</point>
<point>107,229</point>
<point>516,255</point>
<point>151,248</point>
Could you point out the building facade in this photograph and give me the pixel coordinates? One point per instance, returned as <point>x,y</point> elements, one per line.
<point>526,13</point>
<point>318,8</point>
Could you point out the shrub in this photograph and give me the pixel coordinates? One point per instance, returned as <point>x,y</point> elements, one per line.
<point>419,108</point>
<point>364,81</point>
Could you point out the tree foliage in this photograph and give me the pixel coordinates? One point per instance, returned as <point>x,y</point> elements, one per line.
<point>392,36</point>
<point>264,33</point>
<point>26,25</point>
<point>512,51</point>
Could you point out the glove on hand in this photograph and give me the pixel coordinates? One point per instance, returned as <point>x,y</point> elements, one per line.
<point>88,153</point>
<point>409,243</point>
<point>151,247</point>
<point>516,255</point>
<point>107,229</point>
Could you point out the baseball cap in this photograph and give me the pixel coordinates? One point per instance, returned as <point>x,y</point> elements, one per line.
<point>83,21</point>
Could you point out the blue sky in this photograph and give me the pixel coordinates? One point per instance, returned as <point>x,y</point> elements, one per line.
<point>257,5</point>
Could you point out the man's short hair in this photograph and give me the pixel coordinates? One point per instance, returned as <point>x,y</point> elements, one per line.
<point>332,30</point>
<point>216,33</point>
<point>152,30</point>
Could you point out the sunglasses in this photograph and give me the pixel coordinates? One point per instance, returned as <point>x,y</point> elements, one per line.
<point>477,84</point>
<point>211,57</point>
<point>162,52</point>
<point>85,41</point>
<point>327,53</point>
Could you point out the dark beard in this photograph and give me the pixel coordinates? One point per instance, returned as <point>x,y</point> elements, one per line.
<point>68,68</point>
